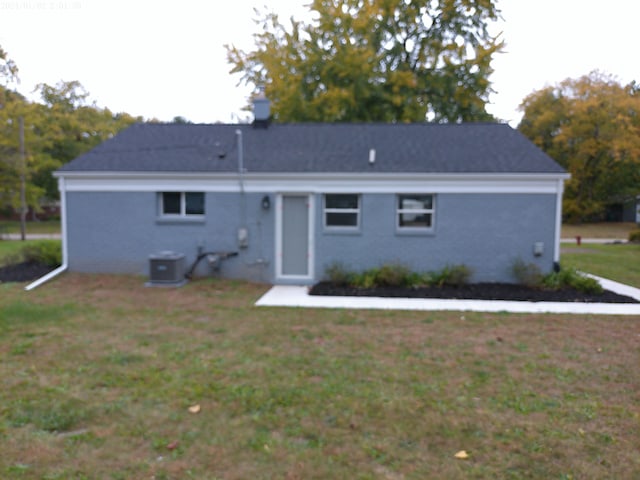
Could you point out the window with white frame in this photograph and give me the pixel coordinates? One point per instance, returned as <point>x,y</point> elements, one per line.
<point>182,204</point>
<point>342,211</point>
<point>415,212</point>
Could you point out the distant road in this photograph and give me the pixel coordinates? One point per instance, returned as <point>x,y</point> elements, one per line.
<point>30,236</point>
<point>593,240</point>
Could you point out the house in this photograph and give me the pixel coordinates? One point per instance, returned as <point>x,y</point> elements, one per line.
<point>293,199</point>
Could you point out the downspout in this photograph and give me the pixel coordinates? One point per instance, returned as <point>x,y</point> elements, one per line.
<point>63,227</point>
<point>240,161</point>
<point>243,233</point>
<point>556,246</point>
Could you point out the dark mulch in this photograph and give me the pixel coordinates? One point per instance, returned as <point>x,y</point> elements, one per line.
<point>475,291</point>
<point>23,272</point>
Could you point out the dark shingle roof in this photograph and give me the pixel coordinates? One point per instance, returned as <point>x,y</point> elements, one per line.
<point>326,148</point>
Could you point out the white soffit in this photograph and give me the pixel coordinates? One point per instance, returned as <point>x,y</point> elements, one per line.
<point>314,183</point>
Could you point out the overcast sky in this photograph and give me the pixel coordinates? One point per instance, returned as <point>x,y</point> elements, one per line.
<point>164,58</point>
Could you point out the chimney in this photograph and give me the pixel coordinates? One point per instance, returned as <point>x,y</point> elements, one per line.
<point>261,111</point>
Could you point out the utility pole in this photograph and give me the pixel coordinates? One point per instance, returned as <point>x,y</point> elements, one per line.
<point>23,195</point>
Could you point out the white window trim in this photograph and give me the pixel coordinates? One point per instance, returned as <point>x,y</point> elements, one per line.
<point>183,208</point>
<point>326,210</point>
<point>417,211</point>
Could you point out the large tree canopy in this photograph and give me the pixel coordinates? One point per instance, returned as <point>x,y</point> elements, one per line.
<point>56,130</point>
<point>375,60</point>
<point>72,125</point>
<point>591,126</point>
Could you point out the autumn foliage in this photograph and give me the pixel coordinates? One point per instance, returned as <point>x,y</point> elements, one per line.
<point>591,126</point>
<point>375,60</point>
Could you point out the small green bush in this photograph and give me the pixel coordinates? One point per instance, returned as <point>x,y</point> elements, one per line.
<point>393,275</point>
<point>569,277</point>
<point>634,235</point>
<point>528,274</point>
<point>43,251</point>
<point>454,275</point>
<point>338,274</point>
<point>397,275</point>
<point>366,279</point>
<point>387,275</point>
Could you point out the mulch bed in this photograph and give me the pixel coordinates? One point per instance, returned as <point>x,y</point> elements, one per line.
<point>28,271</point>
<point>475,291</point>
<point>23,272</point>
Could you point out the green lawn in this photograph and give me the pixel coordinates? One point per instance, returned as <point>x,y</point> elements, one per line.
<point>616,230</point>
<point>42,227</point>
<point>615,262</point>
<point>98,374</point>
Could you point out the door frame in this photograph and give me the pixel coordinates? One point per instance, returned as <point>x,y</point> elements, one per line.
<point>310,238</point>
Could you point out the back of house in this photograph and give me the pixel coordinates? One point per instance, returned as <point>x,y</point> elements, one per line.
<point>280,203</point>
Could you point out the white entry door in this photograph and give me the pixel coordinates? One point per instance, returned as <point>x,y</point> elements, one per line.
<point>294,240</point>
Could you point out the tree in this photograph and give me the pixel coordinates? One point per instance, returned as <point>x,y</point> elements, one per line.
<point>375,60</point>
<point>12,167</point>
<point>72,126</point>
<point>62,127</point>
<point>8,68</point>
<point>591,126</point>
<point>57,130</point>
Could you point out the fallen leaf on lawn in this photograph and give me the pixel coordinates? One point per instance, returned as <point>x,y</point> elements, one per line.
<point>462,455</point>
<point>173,445</point>
<point>194,409</point>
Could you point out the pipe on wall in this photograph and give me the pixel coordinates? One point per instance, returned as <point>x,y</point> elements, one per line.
<point>63,227</point>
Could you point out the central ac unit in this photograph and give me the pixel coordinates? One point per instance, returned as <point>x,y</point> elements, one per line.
<point>166,267</point>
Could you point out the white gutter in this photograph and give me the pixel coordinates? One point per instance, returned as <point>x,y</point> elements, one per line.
<point>63,225</point>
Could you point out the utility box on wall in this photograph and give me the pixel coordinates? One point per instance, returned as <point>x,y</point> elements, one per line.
<point>166,268</point>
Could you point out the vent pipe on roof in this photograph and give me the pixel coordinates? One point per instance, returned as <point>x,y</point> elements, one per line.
<point>261,111</point>
<point>372,156</point>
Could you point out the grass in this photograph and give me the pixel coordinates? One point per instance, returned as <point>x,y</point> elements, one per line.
<point>98,373</point>
<point>615,262</point>
<point>615,230</point>
<point>40,227</point>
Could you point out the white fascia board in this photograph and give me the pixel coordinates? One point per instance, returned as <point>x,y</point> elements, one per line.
<point>312,182</point>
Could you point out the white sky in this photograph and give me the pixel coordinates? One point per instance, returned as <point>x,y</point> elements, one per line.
<point>163,58</point>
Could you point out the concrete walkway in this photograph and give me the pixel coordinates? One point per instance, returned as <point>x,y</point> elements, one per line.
<point>297,296</point>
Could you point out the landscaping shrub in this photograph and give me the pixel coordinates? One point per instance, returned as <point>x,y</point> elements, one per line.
<point>634,235</point>
<point>338,274</point>
<point>569,277</point>
<point>387,275</point>
<point>366,279</point>
<point>393,275</point>
<point>528,274</point>
<point>454,275</point>
<point>47,252</point>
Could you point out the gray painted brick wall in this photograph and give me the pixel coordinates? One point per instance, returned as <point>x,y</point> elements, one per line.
<point>485,232</point>
<point>116,233</point>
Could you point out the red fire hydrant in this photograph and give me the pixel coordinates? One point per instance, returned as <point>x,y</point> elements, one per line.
<point>578,239</point>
